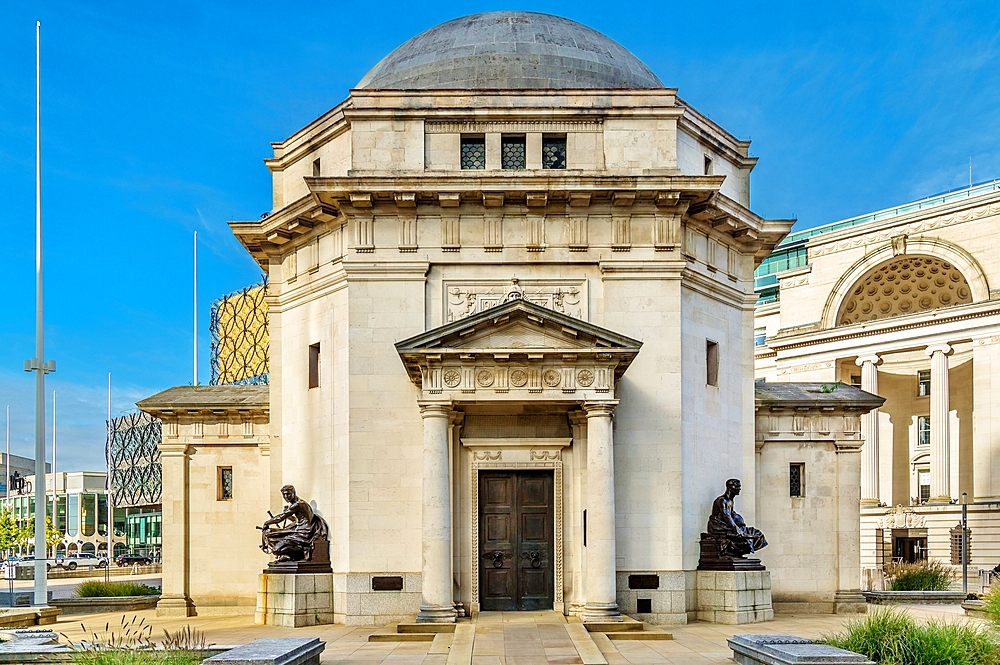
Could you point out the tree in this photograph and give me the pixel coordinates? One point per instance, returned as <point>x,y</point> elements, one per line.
<point>9,532</point>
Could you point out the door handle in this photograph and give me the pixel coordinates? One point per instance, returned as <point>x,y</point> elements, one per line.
<point>497,556</point>
<point>534,555</point>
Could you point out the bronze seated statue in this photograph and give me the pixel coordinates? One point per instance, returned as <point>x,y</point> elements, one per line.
<point>729,540</point>
<point>298,538</point>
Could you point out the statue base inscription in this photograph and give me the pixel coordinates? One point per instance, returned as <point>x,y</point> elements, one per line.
<point>734,596</point>
<point>294,600</point>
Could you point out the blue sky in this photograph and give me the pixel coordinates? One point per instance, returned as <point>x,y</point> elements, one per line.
<point>157,116</point>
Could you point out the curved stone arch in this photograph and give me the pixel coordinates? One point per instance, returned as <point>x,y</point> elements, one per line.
<point>933,247</point>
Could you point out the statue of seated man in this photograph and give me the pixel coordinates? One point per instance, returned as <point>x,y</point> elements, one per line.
<point>735,538</point>
<point>292,534</point>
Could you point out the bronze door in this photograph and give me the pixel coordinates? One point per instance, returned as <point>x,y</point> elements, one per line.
<point>515,540</point>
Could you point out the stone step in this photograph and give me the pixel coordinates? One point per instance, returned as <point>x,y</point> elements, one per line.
<point>389,634</point>
<point>626,625</point>
<point>645,635</point>
<point>417,628</point>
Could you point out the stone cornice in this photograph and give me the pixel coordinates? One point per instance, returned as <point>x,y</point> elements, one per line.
<point>912,223</point>
<point>922,322</point>
<point>317,133</point>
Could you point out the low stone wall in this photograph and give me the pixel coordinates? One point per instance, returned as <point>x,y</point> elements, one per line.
<point>914,597</point>
<point>35,616</point>
<point>56,573</point>
<point>105,604</point>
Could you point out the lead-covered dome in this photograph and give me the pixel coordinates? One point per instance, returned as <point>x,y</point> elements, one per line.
<point>510,51</point>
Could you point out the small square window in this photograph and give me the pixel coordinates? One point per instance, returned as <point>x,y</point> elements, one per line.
<point>856,380</point>
<point>760,336</point>
<point>924,383</point>
<point>923,430</point>
<point>314,365</point>
<point>553,152</point>
<point>316,168</point>
<point>512,153</point>
<point>797,479</point>
<point>474,153</point>
<point>712,362</point>
<point>225,483</point>
<point>708,165</point>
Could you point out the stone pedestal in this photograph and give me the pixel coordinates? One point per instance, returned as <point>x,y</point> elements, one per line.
<point>850,602</point>
<point>734,596</point>
<point>304,599</point>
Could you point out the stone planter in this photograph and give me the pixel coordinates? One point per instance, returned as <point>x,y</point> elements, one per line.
<point>914,597</point>
<point>105,605</point>
<point>973,608</point>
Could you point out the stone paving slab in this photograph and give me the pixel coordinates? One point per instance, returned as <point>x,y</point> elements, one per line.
<point>501,638</point>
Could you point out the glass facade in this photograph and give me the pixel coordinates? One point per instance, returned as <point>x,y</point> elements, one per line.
<point>73,516</point>
<point>89,514</point>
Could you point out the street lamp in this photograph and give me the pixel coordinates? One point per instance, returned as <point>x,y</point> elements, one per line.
<point>965,543</point>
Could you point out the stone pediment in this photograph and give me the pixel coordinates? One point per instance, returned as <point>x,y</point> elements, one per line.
<point>518,345</point>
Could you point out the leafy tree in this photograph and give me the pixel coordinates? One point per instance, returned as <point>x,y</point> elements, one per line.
<point>9,532</point>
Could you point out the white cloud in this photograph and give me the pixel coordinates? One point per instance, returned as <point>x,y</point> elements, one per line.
<point>80,419</point>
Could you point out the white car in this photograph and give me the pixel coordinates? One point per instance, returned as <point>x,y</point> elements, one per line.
<point>81,560</point>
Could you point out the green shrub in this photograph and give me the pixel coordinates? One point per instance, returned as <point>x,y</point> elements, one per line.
<point>100,589</point>
<point>991,606</point>
<point>923,576</point>
<point>889,636</point>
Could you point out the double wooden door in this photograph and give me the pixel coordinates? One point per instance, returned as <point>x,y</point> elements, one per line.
<point>516,569</point>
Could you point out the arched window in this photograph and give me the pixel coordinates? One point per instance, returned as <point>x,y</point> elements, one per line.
<point>88,548</point>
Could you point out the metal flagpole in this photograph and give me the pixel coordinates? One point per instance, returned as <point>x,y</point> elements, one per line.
<point>38,363</point>
<point>7,460</point>
<point>53,465</point>
<point>195,308</point>
<point>111,510</point>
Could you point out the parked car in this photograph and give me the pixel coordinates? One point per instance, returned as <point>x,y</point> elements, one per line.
<point>84,559</point>
<point>130,559</point>
<point>26,562</point>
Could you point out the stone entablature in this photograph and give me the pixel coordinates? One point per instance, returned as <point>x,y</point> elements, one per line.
<point>518,350</point>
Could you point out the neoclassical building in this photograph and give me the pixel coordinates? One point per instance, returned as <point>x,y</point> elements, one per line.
<point>904,303</point>
<point>510,308</point>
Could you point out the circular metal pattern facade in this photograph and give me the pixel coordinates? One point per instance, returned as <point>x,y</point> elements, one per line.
<point>903,285</point>
<point>510,50</point>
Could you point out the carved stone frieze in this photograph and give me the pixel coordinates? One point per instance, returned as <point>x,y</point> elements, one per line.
<point>916,228</point>
<point>901,518</point>
<point>462,298</point>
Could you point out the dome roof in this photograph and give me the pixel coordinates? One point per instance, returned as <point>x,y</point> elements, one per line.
<point>511,51</point>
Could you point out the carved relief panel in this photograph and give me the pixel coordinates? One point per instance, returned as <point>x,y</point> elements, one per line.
<point>465,297</point>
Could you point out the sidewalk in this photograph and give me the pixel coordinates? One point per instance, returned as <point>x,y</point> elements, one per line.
<point>496,638</point>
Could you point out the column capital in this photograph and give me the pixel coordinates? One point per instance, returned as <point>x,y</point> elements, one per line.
<point>597,409</point>
<point>435,409</point>
<point>870,358</point>
<point>934,348</point>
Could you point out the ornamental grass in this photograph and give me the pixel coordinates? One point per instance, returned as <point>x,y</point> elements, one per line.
<point>922,576</point>
<point>889,636</point>
<point>101,589</point>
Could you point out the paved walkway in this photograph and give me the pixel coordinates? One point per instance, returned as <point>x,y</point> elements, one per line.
<point>494,638</point>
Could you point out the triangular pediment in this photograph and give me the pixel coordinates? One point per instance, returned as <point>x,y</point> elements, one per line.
<point>518,324</point>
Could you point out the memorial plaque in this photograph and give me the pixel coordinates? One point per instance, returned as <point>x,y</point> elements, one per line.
<point>643,581</point>
<point>391,583</point>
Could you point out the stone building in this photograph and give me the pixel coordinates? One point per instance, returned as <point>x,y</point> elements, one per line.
<point>904,303</point>
<point>510,302</point>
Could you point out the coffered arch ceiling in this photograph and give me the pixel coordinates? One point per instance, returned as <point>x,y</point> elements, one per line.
<point>904,285</point>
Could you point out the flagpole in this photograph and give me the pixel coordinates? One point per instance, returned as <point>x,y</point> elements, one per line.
<point>111,510</point>
<point>38,363</point>
<point>7,461</point>
<point>195,308</point>
<point>53,466</point>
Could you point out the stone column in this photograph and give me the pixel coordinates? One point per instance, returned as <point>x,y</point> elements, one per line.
<point>940,430</point>
<point>437,604</point>
<point>602,601</point>
<point>869,432</point>
<point>175,600</point>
